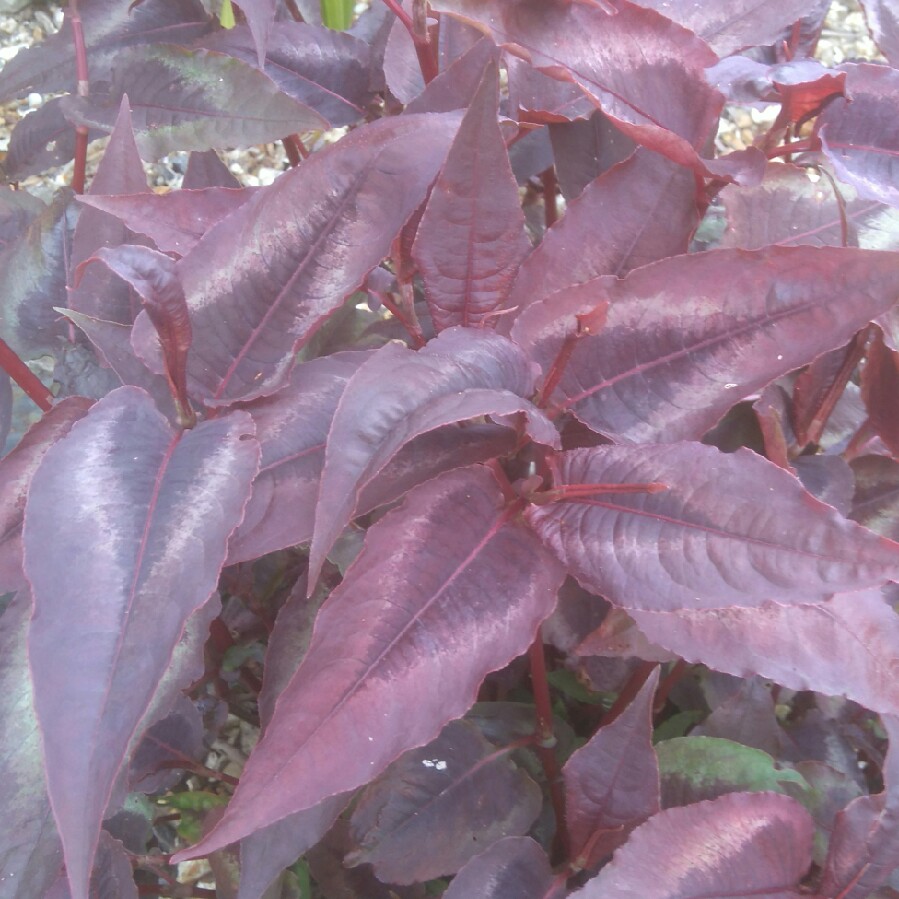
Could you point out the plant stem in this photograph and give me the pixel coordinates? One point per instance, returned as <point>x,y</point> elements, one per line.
<point>546,742</point>
<point>560,363</point>
<point>25,377</point>
<point>631,689</point>
<point>678,670</point>
<point>295,149</point>
<point>550,209</point>
<point>419,34</point>
<point>83,90</point>
<point>413,328</point>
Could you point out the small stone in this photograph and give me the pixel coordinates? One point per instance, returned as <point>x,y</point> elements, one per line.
<point>34,100</point>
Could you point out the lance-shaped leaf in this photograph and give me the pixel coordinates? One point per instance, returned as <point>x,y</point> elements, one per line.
<point>175,221</point>
<point>876,500</point>
<point>260,16</point>
<point>447,588</point>
<point>205,169</point>
<point>644,71</point>
<point>16,471</point>
<point>742,844</point>
<point>612,782</point>
<point>514,866</point>
<point>471,238</point>
<point>883,21</point>
<point>455,87</point>
<point>261,281</point>
<point>860,132</point>
<point>843,647</point>
<point>192,100</point>
<point>108,26</point>
<point>432,809</point>
<point>149,516</point>
<point>329,71</point>
<point>399,394</point>
<point>688,337</point>
<point>864,845</point>
<point>728,530</point>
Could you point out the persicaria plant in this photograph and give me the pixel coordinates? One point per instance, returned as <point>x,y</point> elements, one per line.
<point>520,466</point>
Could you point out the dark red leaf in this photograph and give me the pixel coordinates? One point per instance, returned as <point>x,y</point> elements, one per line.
<point>723,324</point>
<point>455,87</point>
<point>880,388</point>
<point>747,717</point>
<point>435,807</point>
<point>729,530</point>
<point>740,845</point>
<point>536,97</point>
<point>149,515</point>
<point>401,68</point>
<point>261,282</point>
<point>515,866</point>
<point>481,586</point>
<point>612,782</point>
<point>260,16</point>
<point>207,170</point>
<point>876,500</point>
<point>398,395</point>
<point>471,238</point>
<point>843,647</point>
<point>882,17</point>
<point>16,471</point>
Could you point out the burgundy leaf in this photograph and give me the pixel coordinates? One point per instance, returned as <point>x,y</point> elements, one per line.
<point>748,717</point>
<point>16,471</point>
<point>401,68</point>
<point>728,530</point>
<point>18,209</point>
<point>619,637</point>
<point>205,169</point>
<point>385,643</point>
<point>876,500</point>
<point>101,293</point>
<point>880,387</point>
<point>261,282</point>
<point>883,21</point>
<point>731,25</point>
<point>155,279</point>
<point>864,846</point>
<point>789,208</point>
<point>537,97</point>
<point>108,27</point>
<point>515,866</point>
<point>30,850</point>
<point>399,394</point>
<point>843,647</point>
<point>471,238</point>
<point>328,71</point>
<point>860,133</point>
<point>455,87</point>
<point>6,409</point>
<point>260,16</point>
<point>175,221</point>
<point>743,844</point>
<point>612,783</point>
<point>645,72</point>
<point>111,878</point>
<point>638,212</point>
<point>435,807</point>
<point>687,337</point>
<point>192,100</point>
<point>149,514</point>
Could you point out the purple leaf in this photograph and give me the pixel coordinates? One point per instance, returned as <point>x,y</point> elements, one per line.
<point>207,170</point>
<point>515,866</point>
<point>731,25</point>
<point>108,27</point>
<point>748,717</point>
<point>880,387</point>
<point>482,585</point>
<point>638,212</point>
<point>401,68</point>
<point>328,71</point>
<point>859,132</point>
<point>728,530</point>
<point>18,209</point>
<point>743,844</point>
<point>471,238</point>
<point>723,324</point>
<point>612,783</point>
<point>537,97</point>
<point>150,513</point>
<point>864,846</point>
<point>192,100</point>
<point>176,221</point>
<point>843,647</point>
<point>260,16</point>
<point>17,468</point>
<point>876,500</point>
<point>882,17</point>
<point>399,394</point>
<point>644,72</point>
<point>456,87</point>
<point>261,282</point>
<point>435,807</point>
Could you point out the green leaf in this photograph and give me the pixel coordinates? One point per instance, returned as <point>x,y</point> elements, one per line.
<point>226,15</point>
<point>337,14</point>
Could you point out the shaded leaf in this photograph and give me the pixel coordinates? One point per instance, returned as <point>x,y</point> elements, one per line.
<point>261,282</point>
<point>687,337</point>
<point>741,844</point>
<point>728,530</point>
<point>399,394</point>
<point>205,169</point>
<point>876,500</point>
<point>882,17</point>
<point>18,209</point>
<point>612,782</point>
<point>108,612</point>
<point>880,387</point>
<point>435,807</point>
<point>515,866</point>
<point>747,717</point>
<point>843,647</point>
<point>385,643</point>
<point>192,100</point>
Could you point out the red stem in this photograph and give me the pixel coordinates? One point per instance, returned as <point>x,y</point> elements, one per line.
<point>413,328</point>
<point>667,685</point>
<point>560,363</point>
<point>423,48</point>
<point>797,146</point>
<point>550,209</point>
<point>79,172</point>
<point>25,377</point>
<point>631,689</point>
